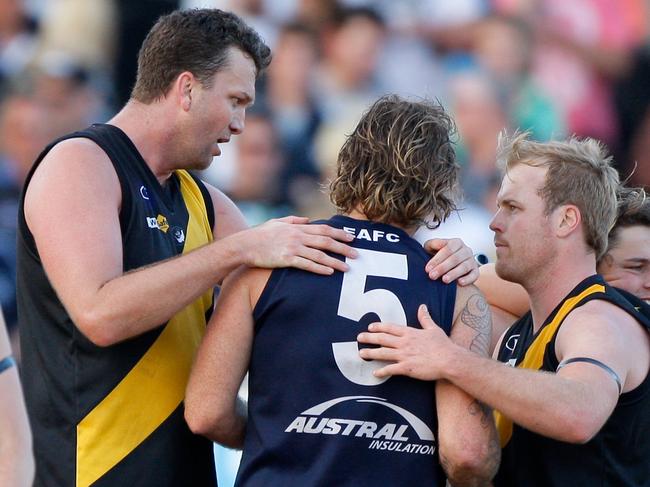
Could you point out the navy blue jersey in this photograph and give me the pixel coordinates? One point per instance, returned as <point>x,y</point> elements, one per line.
<point>316,414</point>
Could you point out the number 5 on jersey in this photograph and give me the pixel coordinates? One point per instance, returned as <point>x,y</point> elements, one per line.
<point>355,303</point>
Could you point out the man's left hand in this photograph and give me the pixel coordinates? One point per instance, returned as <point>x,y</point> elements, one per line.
<point>452,260</point>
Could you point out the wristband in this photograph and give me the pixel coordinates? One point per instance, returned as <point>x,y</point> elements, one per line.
<point>7,363</point>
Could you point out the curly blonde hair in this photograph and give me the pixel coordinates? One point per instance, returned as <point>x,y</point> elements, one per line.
<point>399,165</point>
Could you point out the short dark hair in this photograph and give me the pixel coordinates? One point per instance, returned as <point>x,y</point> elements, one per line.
<point>196,40</point>
<point>399,165</point>
<point>633,210</point>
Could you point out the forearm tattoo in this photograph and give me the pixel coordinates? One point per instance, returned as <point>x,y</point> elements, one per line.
<point>476,315</point>
<point>484,412</point>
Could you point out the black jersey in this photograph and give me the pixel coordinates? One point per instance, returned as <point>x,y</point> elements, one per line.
<point>113,415</point>
<point>618,455</point>
<point>317,415</point>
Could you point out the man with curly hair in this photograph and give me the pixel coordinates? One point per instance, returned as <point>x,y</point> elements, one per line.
<point>316,413</point>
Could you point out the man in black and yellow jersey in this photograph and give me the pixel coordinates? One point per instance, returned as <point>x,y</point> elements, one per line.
<point>573,397</point>
<point>119,250</point>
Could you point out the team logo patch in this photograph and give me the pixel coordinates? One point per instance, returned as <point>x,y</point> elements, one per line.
<point>178,234</point>
<point>144,192</point>
<point>408,434</point>
<point>163,226</point>
<point>160,222</point>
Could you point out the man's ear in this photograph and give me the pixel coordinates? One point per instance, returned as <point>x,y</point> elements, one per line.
<point>568,219</point>
<point>183,86</point>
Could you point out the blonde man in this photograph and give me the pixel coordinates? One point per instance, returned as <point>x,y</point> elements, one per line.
<point>574,405</point>
<point>316,414</point>
<point>625,266</point>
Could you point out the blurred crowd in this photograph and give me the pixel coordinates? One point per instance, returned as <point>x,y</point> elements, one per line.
<point>551,67</point>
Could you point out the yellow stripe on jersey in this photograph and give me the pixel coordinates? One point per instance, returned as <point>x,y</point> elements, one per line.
<point>534,357</point>
<point>155,386</point>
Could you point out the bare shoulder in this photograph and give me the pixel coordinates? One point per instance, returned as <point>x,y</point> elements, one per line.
<point>75,163</point>
<point>252,279</point>
<point>74,171</point>
<point>601,330</point>
<point>76,153</point>
<point>228,219</point>
<point>603,318</point>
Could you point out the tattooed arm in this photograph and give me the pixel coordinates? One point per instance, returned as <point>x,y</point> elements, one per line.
<point>570,405</point>
<point>467,442</point>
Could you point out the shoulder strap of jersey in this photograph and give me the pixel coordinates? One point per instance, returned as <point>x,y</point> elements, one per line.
<point>632,304</point>
<point>207,198</point>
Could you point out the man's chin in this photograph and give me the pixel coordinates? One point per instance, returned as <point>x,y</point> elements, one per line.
<point>504,272</point>
<point>202,164</point>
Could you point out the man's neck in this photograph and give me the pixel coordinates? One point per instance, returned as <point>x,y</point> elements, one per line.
<point>551,286</point>
<point>141,123</point>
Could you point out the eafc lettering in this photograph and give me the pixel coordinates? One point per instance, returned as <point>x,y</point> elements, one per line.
<point>372,235</point>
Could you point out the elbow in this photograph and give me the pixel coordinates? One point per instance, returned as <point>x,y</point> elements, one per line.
<point>579,430</point>
<point>196,419</point>
<point>472,466</point>
<point>203,421</point>
<point>96,328</point>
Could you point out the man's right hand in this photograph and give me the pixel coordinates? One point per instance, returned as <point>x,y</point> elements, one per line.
<point>292,242</point>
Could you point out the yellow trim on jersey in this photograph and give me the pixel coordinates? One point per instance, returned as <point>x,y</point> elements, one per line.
<point>155,386</point>
<point>534,357</point>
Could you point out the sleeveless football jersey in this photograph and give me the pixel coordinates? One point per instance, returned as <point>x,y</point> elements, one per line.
<point>317,415</point>
<point>113,415</point>
<point>618,454</point>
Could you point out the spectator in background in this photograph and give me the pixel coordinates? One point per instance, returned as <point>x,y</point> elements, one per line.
<point>133,22</point>
<point>84,30</point>
<point>18,41</point>
<point>67,88</point>
<point>480,117</point>
<point>633,109</point>
<point>288,94</point>
<point>316,14</point>
<point>503,46</point>
<point>582,47</point>
<point>255,187</point>
<point>345,82</point>
<point>26,125</point>
<point>254,14</point>
<point>16,457</point>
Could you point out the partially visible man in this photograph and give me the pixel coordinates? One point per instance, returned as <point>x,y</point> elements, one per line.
<point>574,407</point>
<point>316,414</point>
<point>626,264</point>
<point>16,457</point>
